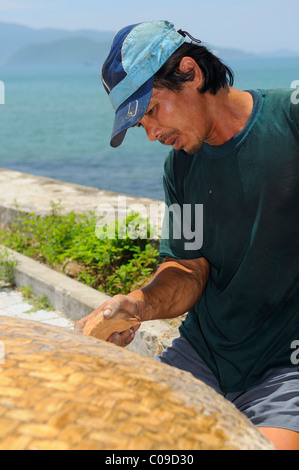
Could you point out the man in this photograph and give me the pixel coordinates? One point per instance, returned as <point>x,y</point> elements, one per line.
<point>236,154</point>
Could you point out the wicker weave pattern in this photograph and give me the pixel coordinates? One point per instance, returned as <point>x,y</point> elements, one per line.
<point>62,390</point>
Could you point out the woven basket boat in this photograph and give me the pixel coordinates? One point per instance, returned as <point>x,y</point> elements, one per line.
<point>62,390</point>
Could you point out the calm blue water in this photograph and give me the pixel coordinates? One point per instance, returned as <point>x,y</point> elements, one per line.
<point>57,122</point>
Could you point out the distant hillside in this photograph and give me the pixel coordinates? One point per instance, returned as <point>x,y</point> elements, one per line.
<point>13,37</point>
<point>22,45</point>
<point>73,51</point>
<point>80,50</point>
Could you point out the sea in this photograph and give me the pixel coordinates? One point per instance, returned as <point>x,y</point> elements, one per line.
<point>57,121</point>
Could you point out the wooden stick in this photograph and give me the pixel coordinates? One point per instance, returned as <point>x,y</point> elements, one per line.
<point>102,328</point>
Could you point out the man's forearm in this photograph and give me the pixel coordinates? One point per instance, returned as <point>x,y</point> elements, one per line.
<point>174,289</point>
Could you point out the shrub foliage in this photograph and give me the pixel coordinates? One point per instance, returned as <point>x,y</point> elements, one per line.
<point>69,244</point>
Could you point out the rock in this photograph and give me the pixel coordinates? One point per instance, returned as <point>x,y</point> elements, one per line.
<point>72,269</point>
<point>62,390</point>
<point>152,337</point>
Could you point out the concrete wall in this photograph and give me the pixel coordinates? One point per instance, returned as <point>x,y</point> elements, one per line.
<point>29,193</point>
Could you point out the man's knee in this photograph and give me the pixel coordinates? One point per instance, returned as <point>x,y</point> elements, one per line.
<point>282,439</point>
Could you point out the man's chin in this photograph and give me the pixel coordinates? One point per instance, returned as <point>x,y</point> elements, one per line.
<point>194,149</point>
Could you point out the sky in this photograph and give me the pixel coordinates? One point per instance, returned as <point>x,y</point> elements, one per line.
<point>252,25</point>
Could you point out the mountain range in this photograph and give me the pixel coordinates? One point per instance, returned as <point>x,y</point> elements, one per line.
<point>23,45</point>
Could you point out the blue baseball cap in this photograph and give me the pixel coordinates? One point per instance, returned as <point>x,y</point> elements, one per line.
<point>137,53</point>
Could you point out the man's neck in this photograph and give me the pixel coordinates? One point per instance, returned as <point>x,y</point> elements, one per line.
<point>230,110</point>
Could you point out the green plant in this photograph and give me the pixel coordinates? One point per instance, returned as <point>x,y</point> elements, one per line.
<point>70,243</point>
<point>38,303</point>
<point>7,268</point>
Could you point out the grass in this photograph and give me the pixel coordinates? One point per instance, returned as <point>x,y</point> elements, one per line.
<point>69,244</point>
<point>7,268</point>
<point>37,303</point>
<point>7,278</point>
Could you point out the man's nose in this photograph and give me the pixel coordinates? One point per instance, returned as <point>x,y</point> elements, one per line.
<point>153,132</point>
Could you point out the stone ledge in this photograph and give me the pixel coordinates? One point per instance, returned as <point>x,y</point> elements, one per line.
<point>22,192</point>
<point>70,297</point>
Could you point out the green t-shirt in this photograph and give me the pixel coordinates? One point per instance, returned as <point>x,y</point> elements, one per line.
<point>248,316</point>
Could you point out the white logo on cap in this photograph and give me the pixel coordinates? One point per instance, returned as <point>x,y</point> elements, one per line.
<point>132,111</point>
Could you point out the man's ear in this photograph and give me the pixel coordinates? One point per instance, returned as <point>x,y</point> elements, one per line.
<point>188,64</point>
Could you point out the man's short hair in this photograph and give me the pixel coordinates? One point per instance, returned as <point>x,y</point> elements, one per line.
<point>217,75</point>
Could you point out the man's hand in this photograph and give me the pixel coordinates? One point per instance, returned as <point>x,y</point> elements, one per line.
<point>114,310</point>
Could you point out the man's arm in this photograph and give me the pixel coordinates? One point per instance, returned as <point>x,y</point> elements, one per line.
<point>172,291</point>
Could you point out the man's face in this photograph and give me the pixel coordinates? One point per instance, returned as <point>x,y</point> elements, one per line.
<point>177,118</point>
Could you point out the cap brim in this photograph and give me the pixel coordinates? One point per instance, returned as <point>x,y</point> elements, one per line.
<point>131,112</point>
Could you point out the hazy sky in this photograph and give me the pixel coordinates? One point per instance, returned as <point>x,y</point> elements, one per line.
<point>252,25</point>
